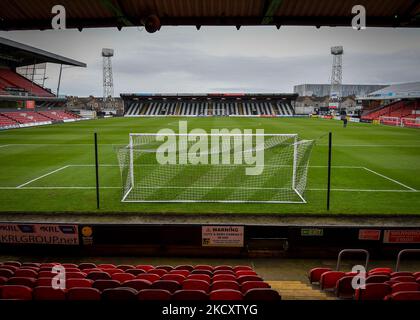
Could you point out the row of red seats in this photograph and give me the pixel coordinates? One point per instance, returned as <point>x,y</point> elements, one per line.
<point>4,121</point>
<point>16,292</point>
<point>11,78</point>
<point>26,117</point>
<point>58,115</point>
<point>390,283</point>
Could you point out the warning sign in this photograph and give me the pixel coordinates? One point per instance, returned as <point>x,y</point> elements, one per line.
<point>222,236</point>
<point>402,236</point>
<point>55,234</point>
<point>369,234</point>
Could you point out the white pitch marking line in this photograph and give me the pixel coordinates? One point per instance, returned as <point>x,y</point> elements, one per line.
<point>5,145</point>
<point>40,177</point>
<point>390,179</point>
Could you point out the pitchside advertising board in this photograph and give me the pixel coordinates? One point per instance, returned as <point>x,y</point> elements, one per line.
<point>36,233</point>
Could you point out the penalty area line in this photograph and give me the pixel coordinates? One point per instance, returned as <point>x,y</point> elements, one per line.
<point>40,177</point>
<point>390,179</point>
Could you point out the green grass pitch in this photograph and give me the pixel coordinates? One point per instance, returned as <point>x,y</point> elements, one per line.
<point>376,169</point>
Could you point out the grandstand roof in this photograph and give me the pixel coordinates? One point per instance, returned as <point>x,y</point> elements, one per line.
<point>15,54</point>
<point>202,96</point>
<point>36,14</point>
<point>396,91</point>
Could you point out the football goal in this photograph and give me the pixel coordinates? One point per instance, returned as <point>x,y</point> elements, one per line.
<point>214,167</point>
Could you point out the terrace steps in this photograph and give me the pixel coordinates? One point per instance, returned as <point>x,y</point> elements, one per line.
<point>297,290</point>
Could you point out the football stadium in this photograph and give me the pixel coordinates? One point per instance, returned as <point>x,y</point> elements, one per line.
<point>247,198</point>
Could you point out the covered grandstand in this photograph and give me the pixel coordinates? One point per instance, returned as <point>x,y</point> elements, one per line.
<point>23,102</point>
<point>212,104</point>
<point>398,104</point>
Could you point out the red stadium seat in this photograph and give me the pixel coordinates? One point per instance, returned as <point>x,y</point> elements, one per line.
<point>245,273</point>
<point>44,282</point>
<point>31,264</point>
<point>154,295</point>
<point>405,296</point>
<point>125,267</point>
<point>46,274</point>
<point>48,293</point>
<point>137,284</point>
<point>215,272</point>
<point>29,273</point>
<point>36,269</point>
<point>202,271</point>
<point>159,272</point>
<point>3,280</point>
<point>145,267</point>
<point>70,266</point>
<point>376,278</point>
<point>8,267</point>
<point>6,273</point>
<point>22,281</point>
<point>190,295</point>
<point>149,277</point>
<point>87,265</point>
<point>83,294</point>
<point>248,285</point>
<point>401,274</point>
<point>224,277</point>
<point>101,285</point>
<point>98,275</point>
<point>184,267</point>
<point>329,279</point>
<point>385,270</point>
<point>373,291</point>
<point>404,279</point>
<point>243,279</point>
<point>204,267</point>
<point>226,294</point>
<point>75,275</point>
<point>184,273</point>
<point>222,267</point>
<point>192,284</point>
<point>316,273</point>
<point>175,277</point>
<point>204,277</point>
<point>135,272</point>
<point>112,271</point>
<point>169,285</point>
<point>242,268</point>
<point>15,292</point>
<point>344,288</point>
<point>217,285</point>
<point>405,286</point>
<point>121,293</point>
<point>165,267</point>
<point>81,283</point>
<point>106,266</point>
<point>16,264</point>
<point>121,277</point>
<point>262,294</point>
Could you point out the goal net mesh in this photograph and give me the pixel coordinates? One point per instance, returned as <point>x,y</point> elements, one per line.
<point>221,174</point>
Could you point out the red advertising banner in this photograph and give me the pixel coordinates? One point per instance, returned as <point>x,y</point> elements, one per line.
<point>30,104</point>
<point>369,234</point>
<point>53,234</point>
<point>402,236</point>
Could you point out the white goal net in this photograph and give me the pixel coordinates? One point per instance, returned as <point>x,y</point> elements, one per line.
<point>233,168</point>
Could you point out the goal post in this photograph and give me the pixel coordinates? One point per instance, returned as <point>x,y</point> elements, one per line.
<point>214,167</point>
<point>390,121</point>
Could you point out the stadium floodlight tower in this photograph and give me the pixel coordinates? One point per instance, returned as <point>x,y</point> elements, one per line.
<point>336,77</point>
<point>108,83</point>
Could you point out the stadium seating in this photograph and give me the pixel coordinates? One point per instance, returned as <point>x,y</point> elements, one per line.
<point>16,118</point>
<point>88,281</point>
<point>11,79</point>
<point>58,115</point>
<point>200,108</point>
<point>400,109</point>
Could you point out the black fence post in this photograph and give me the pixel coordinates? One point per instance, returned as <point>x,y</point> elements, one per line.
<point>97,170</point>
<point>329,170</point>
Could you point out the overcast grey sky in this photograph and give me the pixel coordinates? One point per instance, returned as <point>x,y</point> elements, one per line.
<point>222,59</point>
